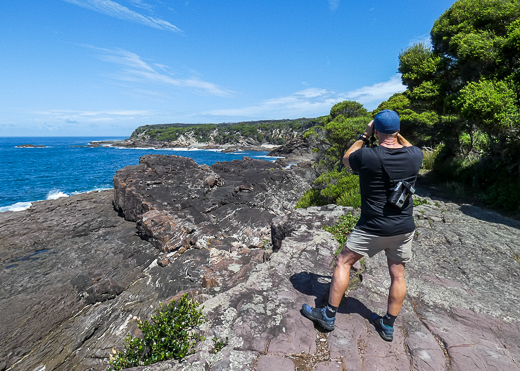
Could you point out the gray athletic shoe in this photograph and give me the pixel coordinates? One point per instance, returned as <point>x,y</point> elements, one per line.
<point>318,315</point>
<point>386,332</point>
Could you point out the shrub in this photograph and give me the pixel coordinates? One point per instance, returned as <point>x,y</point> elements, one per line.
<point>310,132</point>
<point>220,344</point>
<point>420,201</point>
<point>504,194</point>
<point>311,197</point>
<point>342,230</point>
<point>428,159</point>
<point>342,188</point>
<point>168,335</point>
<point>335,187</point>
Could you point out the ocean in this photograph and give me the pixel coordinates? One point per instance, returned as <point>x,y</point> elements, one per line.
<point>65,166</point>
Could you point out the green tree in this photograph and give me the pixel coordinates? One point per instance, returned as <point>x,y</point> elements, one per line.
<point>418,64</point>
<point>464,93</point>
<point>337,184</point>
<point>471,36</point>
<point>397,102</point>
<point>348,108</point>
<point>342,132</point>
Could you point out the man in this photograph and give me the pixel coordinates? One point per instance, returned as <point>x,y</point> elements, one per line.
<point>382,226</point>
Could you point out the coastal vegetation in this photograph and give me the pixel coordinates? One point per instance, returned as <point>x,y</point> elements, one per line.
<point>275,132</point>
<point>462,98</point>
<point>335,183</point>
<point>170,334</point>
<point>461,106</point>
<point>342,229</point>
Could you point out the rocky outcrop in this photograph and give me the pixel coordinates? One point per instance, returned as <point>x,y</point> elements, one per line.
<point>228,137</point>
<point>179,205</point>
<point>64,263</point>
<point>307,148</point>
<point>75,277</point>
<point>297,150</point>
<point>460,312</point>
<point>240,134</point>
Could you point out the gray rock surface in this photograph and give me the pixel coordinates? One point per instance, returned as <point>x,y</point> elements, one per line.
<point>64,263</point>
<point>178,204</point>
<point>461,311</point>
<point>302,150</point>
<point>76,275</point>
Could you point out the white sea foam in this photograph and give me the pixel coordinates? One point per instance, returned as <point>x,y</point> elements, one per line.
<point>176,149</point>
<point>19,206</point>
<point>269,157</point>
<point>180,149</point>
<point>54,195</point>
<point>148,148</point>
<point>18,147</point>
<point>107,140</point>
<point>97,189</point>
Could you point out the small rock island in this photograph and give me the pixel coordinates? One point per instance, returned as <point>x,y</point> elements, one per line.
<point>29,146</point>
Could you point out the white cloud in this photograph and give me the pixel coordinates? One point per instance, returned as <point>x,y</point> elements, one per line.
<point>372,95</point>
<point>138,70</point>
<point>333,5</point>
<point>309,102</point>
<point>423,39</point>
<point>313,102</point>
<point>116,10</point>
<point>73,117</point>
<point>141,4</point>
<point>312,93</point>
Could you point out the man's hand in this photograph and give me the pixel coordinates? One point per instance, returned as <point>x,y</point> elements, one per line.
<point>358,144</point>
<point>369,131</point>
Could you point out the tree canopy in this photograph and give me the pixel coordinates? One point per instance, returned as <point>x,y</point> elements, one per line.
<point>467,86</point>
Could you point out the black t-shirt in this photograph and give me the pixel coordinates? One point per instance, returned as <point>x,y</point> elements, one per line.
<point>377,215</point>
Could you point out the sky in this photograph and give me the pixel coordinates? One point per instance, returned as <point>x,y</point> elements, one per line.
<point>106,67</point>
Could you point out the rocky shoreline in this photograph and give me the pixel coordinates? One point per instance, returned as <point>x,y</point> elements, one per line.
<point>157,144</point>
<point>297,150</point>
<point>77,272</point>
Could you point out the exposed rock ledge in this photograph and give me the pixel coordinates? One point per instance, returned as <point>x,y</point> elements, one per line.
<point>69,308</point>
<point>29,146</point>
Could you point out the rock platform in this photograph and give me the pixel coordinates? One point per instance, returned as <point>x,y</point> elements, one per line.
<point>460,313</point>
<point>76,275</point>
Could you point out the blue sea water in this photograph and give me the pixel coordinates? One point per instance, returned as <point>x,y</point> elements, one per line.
<point>65,166</point>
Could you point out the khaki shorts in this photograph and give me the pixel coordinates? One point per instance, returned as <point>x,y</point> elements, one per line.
<point>398,248</point>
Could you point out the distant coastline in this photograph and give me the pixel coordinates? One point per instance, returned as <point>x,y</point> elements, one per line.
<point>156,144</point>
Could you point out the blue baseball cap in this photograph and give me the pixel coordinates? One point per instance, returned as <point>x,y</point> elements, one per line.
<point>387,122</point>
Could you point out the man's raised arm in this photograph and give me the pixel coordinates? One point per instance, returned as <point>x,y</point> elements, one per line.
<point>402,141</point>
<point>358,144</point>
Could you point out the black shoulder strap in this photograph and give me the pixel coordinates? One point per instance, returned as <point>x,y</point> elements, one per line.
<point>384,168</point>
<point>376,151</point>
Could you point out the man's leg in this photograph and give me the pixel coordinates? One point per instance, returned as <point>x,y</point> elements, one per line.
<point>385,325</point>
<point>346,259</point>
<point>326,316</point>
<point>397,287</point>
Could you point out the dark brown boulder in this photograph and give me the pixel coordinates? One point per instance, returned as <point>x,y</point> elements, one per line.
<point>179,204</point>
